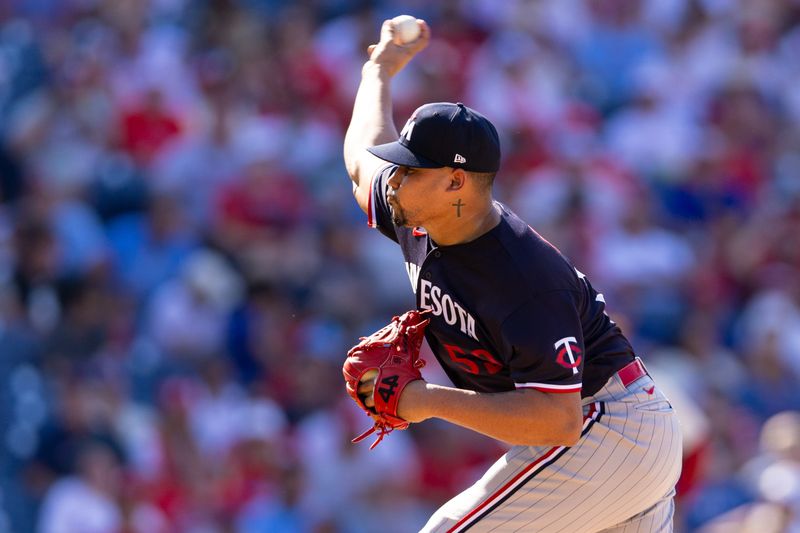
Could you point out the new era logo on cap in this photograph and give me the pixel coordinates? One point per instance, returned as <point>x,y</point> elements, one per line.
<point>445,135</point>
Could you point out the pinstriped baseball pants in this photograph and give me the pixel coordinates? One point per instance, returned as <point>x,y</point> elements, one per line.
<point>619,478</point>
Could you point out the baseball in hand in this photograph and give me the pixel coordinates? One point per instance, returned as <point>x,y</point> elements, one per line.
<point>406,29</point>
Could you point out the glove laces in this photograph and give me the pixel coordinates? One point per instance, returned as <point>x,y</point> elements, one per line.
<point>381,428</point>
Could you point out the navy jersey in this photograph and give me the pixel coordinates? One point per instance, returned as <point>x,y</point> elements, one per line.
<point>508,310</point>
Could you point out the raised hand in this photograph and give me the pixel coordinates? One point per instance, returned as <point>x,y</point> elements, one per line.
<point>391,54</point>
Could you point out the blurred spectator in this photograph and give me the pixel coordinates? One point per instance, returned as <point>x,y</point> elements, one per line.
<point>10,176</point>
<point>148,128</point>
<point>197,165</point>
<point>380,479</point>
<point>281,512</point>
<point>91,499</point>
<point>257,332</point>
<point>86,501</point>
<point>657,139</point>
<point>82,329</point>
<point>646,265</point>
<point>187,316</point>
<point>609,53</point>
<point>149,248</point>
<point>264,196</point>
<point>35,278</point>
<point>774,476</point>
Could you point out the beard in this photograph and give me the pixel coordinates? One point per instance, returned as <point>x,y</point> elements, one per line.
<point>398,217</point>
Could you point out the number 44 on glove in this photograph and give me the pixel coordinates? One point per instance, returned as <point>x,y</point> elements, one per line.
<point>391,355</point>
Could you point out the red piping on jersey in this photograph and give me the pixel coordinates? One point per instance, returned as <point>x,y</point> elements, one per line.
<point>370,208</point>
<point>542,388</point>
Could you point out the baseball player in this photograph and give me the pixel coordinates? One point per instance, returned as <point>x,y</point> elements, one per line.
<point>522,334</point>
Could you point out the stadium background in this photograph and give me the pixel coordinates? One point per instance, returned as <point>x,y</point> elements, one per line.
<point>182,266</point>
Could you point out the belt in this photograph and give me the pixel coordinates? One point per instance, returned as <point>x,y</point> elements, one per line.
<point>632,371</point>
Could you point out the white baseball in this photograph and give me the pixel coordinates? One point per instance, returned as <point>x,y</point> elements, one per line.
<point>406,28</point>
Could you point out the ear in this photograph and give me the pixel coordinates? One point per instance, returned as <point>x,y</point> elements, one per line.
<point>458,178</point>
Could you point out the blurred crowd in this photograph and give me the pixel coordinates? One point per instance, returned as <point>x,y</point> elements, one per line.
<point>183,267</point>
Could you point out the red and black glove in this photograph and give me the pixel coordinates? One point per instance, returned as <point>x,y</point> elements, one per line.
<point>393,352</point>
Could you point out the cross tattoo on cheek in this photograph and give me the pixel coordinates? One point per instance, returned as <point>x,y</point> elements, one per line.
<point>458,207</point>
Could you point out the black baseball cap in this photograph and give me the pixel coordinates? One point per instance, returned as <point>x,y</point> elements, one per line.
<point>444,135</point>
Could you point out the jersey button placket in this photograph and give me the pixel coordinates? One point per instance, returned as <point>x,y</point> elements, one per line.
<point>427,275</point>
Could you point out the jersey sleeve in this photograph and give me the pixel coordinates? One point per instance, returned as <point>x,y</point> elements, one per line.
<point>378,213</point>
<point>546,343</point>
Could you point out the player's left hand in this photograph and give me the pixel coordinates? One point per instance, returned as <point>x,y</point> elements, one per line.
<point>365,391</point>
<point>380,368</point>
<point>409,406</point>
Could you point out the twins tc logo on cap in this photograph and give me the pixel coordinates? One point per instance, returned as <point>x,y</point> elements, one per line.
<point>444,135</point>
<point>568,354</point>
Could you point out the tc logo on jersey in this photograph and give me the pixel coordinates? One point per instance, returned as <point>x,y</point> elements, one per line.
<point>568,354</point>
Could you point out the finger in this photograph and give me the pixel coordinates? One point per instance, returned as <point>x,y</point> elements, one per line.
<point>371,48</point>
<point>424,30</point>
<point>367,397</point>
<point>387,31</point>
<point>365,392</point>
<point>424,37</point>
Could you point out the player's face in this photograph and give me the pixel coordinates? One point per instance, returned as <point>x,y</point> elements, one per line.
<point>415,193</point>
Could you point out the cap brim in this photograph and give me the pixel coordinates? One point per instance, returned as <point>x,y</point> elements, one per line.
<point>396,153</point>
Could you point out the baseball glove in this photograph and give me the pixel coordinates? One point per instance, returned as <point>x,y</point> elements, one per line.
<point>392,352</point>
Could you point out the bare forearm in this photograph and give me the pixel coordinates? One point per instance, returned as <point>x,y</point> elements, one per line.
<point>524,417</point>
<point>372,121</point>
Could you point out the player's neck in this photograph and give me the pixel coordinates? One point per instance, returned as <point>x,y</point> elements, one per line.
<point>466,224</point>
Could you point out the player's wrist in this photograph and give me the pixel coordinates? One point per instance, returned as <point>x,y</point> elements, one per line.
<point>413,404</point>
<point>377,70</point>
